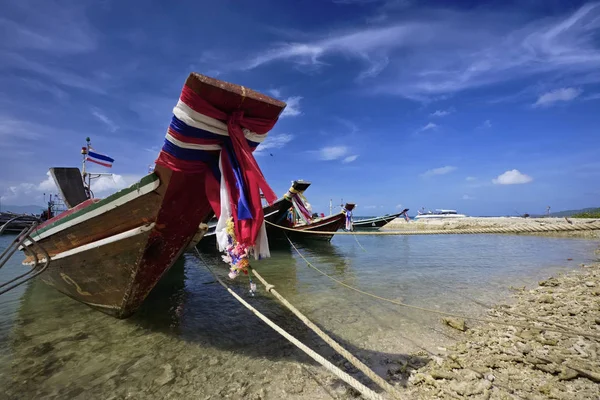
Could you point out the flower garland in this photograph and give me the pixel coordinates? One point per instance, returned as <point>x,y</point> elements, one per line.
<point>236,253</point>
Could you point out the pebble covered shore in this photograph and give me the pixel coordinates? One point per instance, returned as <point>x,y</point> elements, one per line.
<point>507,362</point>
<point>491,222</point>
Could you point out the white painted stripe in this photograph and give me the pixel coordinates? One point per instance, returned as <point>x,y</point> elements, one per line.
<point>191,146</point>
<point>193,118</point>
<point>99,243</point>
<point>98,211</point>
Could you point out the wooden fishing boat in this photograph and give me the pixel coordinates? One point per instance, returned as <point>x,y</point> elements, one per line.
<point>110,253</point>
<point>377,222</point>
<point>275,213</point>
<point>310,230</point>
<point>16,223</point>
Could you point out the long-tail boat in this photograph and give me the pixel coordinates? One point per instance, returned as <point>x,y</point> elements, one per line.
<point>305,227</point>
<point>110,253</point>
<point>275,213</point>
<point>378,222</point>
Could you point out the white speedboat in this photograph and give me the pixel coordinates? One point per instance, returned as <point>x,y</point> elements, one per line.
<point>439,214</point>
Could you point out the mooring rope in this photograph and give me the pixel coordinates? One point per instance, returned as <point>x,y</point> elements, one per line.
<point>365,391</point>
<point>330,341</point>
<point>462,231</point>
<point>568,331</point>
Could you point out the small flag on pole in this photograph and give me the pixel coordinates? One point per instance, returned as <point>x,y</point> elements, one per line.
<point>98,158</point>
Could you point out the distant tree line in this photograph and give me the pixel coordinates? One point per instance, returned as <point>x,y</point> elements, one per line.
<point>594,213</point>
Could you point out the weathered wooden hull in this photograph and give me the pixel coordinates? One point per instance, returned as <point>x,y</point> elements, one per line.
<point>373,223</point>
<point>109,254</point>
<point>327,224</point>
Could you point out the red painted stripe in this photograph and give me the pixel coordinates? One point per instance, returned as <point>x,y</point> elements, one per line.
<point>98,162</point>
<point>68,212</point>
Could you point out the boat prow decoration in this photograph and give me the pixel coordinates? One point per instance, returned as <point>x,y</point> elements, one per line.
<point>110,253</point>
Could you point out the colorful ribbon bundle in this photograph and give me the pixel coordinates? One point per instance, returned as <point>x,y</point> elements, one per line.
<point>348,219</point>
<point>201,134</point>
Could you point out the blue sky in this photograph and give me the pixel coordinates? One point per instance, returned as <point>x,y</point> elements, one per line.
<point>489,108</point>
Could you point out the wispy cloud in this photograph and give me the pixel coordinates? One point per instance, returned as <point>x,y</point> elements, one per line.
<point>33,193</point>
<point>556,96</point>
<point>467,197</point>
<point>451,51</point>
<point>487,124</point>
<point>442,113</point>
<point>428,127</point>
<point>275,92</point>
<point>439,171</point>
<point>593,96</point>
<point>333,152</point>
<point>104,119</point>
<point>512,177</point>
<point>273,142</point>
<point>349,159</point>
<point>470,178</point>
<point>293,107</point>
<point>47,26</point>
<point>349,125</point>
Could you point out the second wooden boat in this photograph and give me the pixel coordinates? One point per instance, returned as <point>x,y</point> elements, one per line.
<point>322,228</point>
<point>377,222</point>
<point>275,213</point>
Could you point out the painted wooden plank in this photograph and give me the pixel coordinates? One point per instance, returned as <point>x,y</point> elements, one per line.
<point>146,185</point>
<point>99,243</point>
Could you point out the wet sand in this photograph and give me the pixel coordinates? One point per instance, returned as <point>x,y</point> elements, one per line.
<point>506,362</point>
<point>491,222</point>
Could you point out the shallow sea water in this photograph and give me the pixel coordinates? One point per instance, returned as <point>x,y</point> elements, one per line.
<point>191,339</point>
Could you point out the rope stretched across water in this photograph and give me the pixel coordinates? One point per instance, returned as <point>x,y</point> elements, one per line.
<point>330,341</point>
<point>562,330</point>
<point>365,391</point>
<point>461,231</point>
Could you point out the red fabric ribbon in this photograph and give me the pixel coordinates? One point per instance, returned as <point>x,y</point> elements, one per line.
<point>254,180</point>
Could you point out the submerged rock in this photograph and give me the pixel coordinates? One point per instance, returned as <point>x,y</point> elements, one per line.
<point>167,377</point>
<point>455,323</point>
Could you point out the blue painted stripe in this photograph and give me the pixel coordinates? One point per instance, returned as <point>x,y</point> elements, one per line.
<point>100,156</point>
<point>190,154</point>
<point>185,130</point>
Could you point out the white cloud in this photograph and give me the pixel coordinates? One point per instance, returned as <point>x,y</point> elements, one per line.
<point>558,95</point>
<point>399,206</point>
<point>293,107</point>
<point>273,142</point>
<point>487,124</point>
<point>107,121</point>
<point>369,207</point>
<point>31,193</point>
<point>332,152</point>
<point>512,177</point>
<point>467,197</point>
<point>470,179</point>
<point>349,159</point>
<point>438,171</point>
<point>449,51</point>
<point>275,92</point>
<point>428,127</point>
<point>442,113</point>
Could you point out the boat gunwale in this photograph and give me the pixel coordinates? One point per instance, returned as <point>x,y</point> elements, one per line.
<point>146,185</point>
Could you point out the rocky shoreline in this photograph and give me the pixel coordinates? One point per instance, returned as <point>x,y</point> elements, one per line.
<point>494,222</point>
<point>509,362</point>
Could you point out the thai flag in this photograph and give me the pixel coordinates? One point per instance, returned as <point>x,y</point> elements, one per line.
<point>98,158</point>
